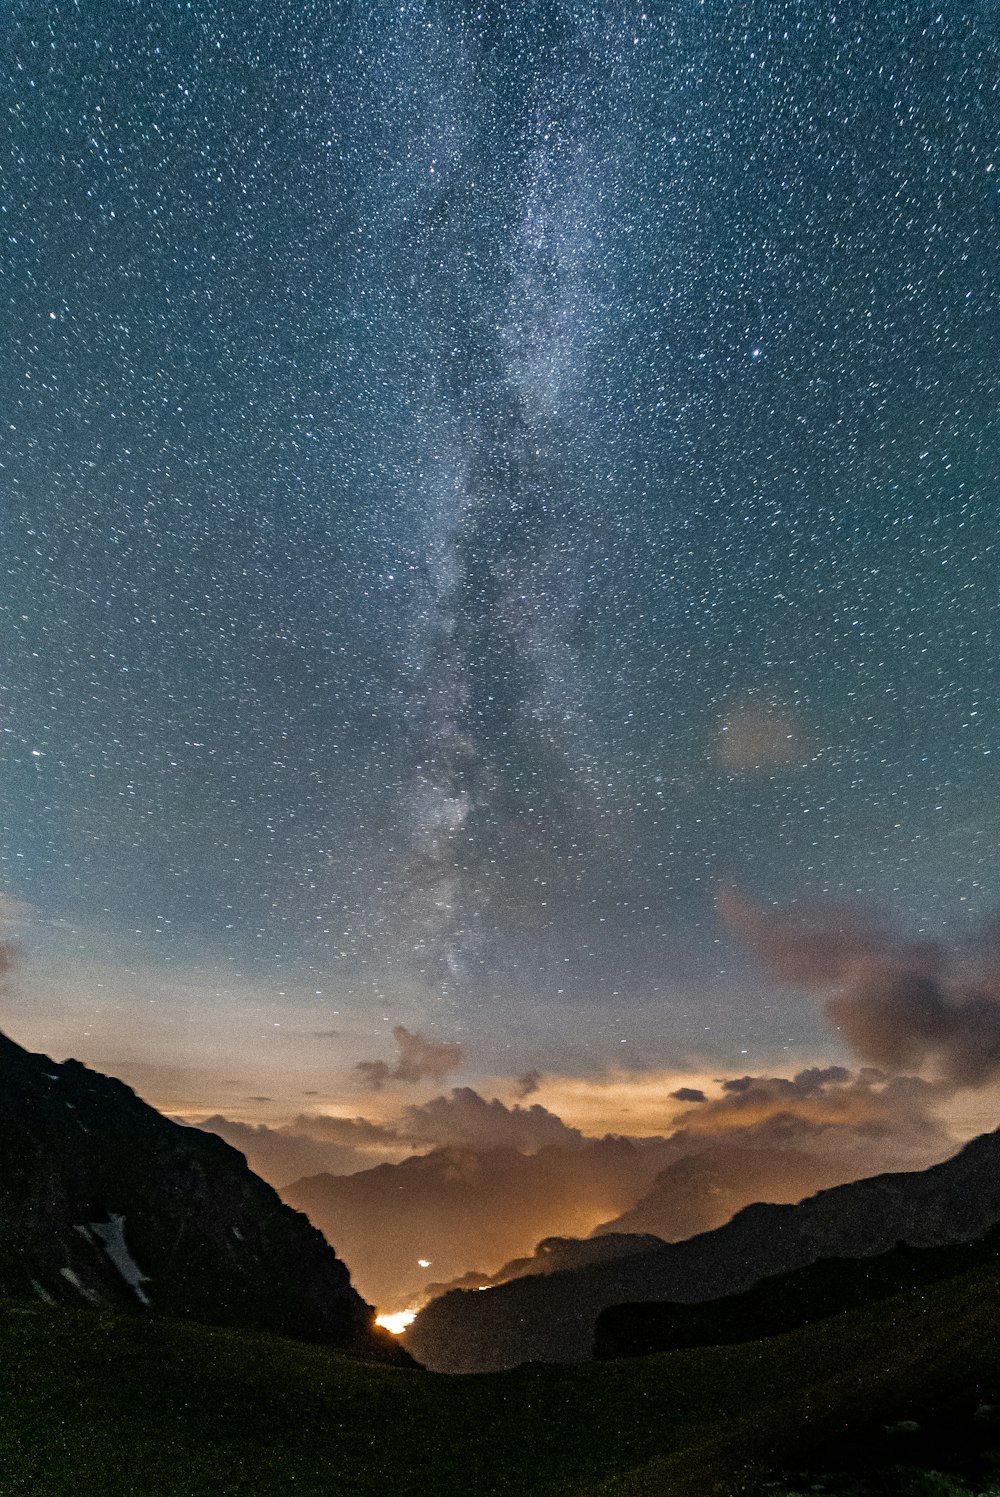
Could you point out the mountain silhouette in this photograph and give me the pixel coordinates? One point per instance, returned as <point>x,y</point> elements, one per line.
<point>459,1206</point>
<point>784,1302</point>
<point>703,1190</point>
<point>105,1203</point>
<point>552,1318</point>
<point>553,1255</point>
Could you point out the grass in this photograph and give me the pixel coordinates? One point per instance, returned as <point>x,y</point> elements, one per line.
<point>898,1481</point>
<point>155,1408</point>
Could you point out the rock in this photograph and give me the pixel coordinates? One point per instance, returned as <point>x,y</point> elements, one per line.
<point>106,1203</point>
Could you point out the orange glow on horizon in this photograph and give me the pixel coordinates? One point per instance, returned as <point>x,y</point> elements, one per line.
<point>397,1322</point>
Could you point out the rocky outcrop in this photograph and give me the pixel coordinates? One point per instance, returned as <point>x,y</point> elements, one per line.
<point>106,1203</point>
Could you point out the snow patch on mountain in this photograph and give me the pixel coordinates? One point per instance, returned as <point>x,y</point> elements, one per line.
<point>112,1235</point>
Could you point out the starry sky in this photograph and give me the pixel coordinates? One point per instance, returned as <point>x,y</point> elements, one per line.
<point>475,482</point>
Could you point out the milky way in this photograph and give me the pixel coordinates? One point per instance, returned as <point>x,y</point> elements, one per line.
<point>475,481</point>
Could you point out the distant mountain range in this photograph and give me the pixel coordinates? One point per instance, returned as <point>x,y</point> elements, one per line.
<point>689,1195</point>
<point>457,1206</point>
<point>471,1214</point>
<point>551,1318</point>
<point>105,1203</point>
<point>553,1255</point>
<point>705,1189</point>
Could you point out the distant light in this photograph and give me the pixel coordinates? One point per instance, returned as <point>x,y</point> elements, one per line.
<point>397,1322</point>
<point>424,1262</point>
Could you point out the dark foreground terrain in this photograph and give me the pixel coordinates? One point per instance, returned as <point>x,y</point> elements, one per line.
<point>787,1301</point>
<point>119,1404</point>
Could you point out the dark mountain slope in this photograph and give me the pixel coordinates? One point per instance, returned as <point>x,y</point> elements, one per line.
<point>104,1202</point>
<point>784,1302</point>
<point>552,1318</point>
<point>553,1255</point>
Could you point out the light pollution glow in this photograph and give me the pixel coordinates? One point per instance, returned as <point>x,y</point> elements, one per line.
<point>397,1322</point>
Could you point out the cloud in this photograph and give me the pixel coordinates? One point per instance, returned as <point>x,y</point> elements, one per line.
<point>759,736</point>
<point>809,1083</point>
<point>461,1119</point>
<point>828,1108</point>
<point>10,953</point>
<point>353,1133</point>
<point>778,1138</point>
<point>813,945</point>
<point>376,1073</point>
<point>281,1155</point>
<point>831,1106</point>
<point>467,1119</point>
<point>418,1058</point>
<point>315,1143</point>
<point>527,1083</point>
<point>900,1004</point>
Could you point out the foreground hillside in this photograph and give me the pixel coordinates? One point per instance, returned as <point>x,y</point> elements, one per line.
<point>121,1405</point>
<point>785,1301</point>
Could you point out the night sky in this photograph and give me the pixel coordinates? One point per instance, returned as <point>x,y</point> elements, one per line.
<point>475,482</point>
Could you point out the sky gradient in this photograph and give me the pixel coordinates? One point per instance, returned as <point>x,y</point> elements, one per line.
<point>476,483</point>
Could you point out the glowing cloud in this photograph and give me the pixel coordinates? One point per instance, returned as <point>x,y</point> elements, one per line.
<point>898,1003</point>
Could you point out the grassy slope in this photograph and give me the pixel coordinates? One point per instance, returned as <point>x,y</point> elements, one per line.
<point>789,1300</point>
<point>121,1405</point>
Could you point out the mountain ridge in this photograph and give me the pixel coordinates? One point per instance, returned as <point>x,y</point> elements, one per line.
<point>432,1215</point>
<point>552,1319</point>
<point>786,1302</point>
<point>106,1204</point>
